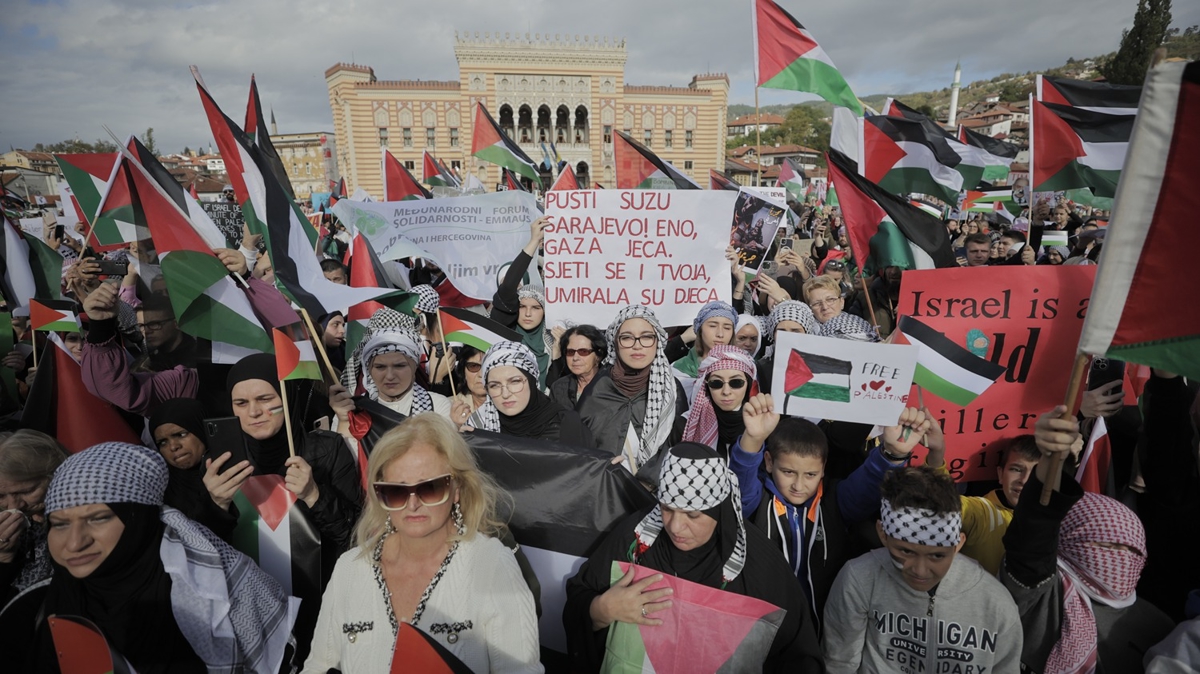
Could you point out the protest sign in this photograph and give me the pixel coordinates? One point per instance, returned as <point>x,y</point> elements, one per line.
<point>842,379</point>
<point>755,223</point>
<point>34,227</point>
<point>228,218</point>
<point>470,238</point>
<point>606,249</point>
<point>1031,328</point>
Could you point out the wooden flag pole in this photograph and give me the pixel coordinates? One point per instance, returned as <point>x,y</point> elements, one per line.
<point>867,294</point>
<point>445,352</point>
<point>318,339</point>
<point>35,348</point>
<point>287,419</point>
<point>1054,475</point>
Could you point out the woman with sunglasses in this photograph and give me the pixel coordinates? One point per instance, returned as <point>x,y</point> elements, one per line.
<point>584,349</point>
<point>728,376</point>
<point>714,324</point>
<point>636,408</point>
<point>468,378</point>
<point>427,555</point>
<point>515,405</point>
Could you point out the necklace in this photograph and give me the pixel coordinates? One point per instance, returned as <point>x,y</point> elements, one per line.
<point>377,556</point>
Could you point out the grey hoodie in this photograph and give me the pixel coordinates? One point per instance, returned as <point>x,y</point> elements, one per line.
<point>875,622</point>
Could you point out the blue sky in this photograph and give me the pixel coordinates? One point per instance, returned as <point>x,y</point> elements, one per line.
<point>72,66</point>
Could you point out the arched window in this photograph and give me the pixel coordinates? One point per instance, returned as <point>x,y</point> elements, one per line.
<point>580,132</point>
<point>381,117</point>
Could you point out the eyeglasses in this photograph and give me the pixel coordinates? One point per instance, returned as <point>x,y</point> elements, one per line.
<point>584,353</point>
<point>153,326</point>
<point>718,384</point>
<point>514,385</point>
<point>647,340</point>
<point>474,368</point>
<point>430,493</point>
<point>829,303</point>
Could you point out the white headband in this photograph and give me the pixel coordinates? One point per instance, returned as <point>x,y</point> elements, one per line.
<point>921,526</point>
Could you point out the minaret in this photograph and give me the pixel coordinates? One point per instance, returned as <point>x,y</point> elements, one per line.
<point>954,95</point>
<point>274,129</point>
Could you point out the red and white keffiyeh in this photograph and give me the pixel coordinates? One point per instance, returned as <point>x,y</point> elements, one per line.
<point>1093,572</point>
<point>702,421</point>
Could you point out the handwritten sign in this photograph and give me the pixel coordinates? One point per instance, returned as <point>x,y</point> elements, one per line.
<point>606,249</point>
<point>228,218</point>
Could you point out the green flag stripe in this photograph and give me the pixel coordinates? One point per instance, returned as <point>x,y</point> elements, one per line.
<point>817,77</point>
<point>500,155</point>
<point>942,388</point>
<point>305,369</point>
<point>822,392</point>
<point>245,534</point>
<point>46,265</point>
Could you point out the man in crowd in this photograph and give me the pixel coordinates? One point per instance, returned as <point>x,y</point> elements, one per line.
<point>979,249</point>
<point>166,345</point>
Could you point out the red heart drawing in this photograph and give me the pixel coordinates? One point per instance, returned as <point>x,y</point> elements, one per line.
<point>887,390</point>
<point>875,385</point>
<point>864,387</point>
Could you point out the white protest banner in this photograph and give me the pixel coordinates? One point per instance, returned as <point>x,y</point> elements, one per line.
<point>665,249</point>
<point>841,379</point>
<point>470,237</point>
<point>775,195</point>
<point>34,227</point>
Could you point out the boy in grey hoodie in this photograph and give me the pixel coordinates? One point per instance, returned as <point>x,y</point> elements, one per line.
<point>915,605</point>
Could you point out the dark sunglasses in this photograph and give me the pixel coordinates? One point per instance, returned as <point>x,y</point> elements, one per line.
<point>582,352</point>
<point>430,493</point>
<point>718,384</point>
<point>474,367</point>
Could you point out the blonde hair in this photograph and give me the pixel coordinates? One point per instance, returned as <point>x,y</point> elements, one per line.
<point>822,282</point>
<point>27,455</point>
<point>478,493</point>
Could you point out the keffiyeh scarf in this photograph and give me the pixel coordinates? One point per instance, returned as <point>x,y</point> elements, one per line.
<point>702,421</point>
<point>427,299</point>
<point>921,526</point>
<point>502,353</point>
<point>849,326</point>
<point>660,392</point>
<point>382,320</point>
<point>795,311</point>
<point>404,342</point>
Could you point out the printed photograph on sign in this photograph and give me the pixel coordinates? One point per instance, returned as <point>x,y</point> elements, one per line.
<point>755,222</point>
<point>842,380</point>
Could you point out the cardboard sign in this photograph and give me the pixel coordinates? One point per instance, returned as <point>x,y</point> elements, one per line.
<point>470,238</point>
<point>1031,327</point>
<point>665,249</point>
<point>755,223</point>
<point>841,379</point>
<point>228,218</point>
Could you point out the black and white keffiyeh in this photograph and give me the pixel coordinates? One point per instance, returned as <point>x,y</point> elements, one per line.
<point>696,484</point>
<point>514,354</point>
<point>849,326</point>
<point>921,526</point>
<point>428,299</point>
<point>792,310</point>
<point>383,320</point>
<point>660,394</point>
<point>111,472</point>
<point>404,342</point>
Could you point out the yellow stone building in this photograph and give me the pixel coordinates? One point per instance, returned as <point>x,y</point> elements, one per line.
<point>565,90</point>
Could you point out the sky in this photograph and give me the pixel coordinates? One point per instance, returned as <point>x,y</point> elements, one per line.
<point>71,67</point>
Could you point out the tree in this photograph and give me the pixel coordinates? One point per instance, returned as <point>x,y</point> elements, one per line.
<point>76,146</point>
<point>1132,60</point>
<point>187,151</point>
<point>148,141</point>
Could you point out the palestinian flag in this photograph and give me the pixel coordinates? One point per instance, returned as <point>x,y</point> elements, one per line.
<point>884,229</point>
<point>511,182</point>
<point>791,178</point>
<point>566,180</point>
<point>398,183</point>
<point>490,144</point>
<point>1147,254</point>
<point>831,197</point>
<point>928,208</point>
<point>207,302</point>
<point>720,181</point>
<point>58,398</point>
<point>1096,462</point>
<point>419,652</point>
<point>597,186</point>
<point>337,191</point>
<point>1054,237</point>
<point>289,236</point>
<point>945,369</point>
<point>450,173</point>
<point>82,648</point>
<point>976,165</point>
<point>706,630</point>
<point>10,399</point>
<point>87,175</point>
<point>1072,147</point>
<point>989,200</point>
<point>1113,99</point>
<point>811,375</point>
<point>53,316</point>
<point>366,271</point>
<point>904,156</point>
<point>431,172</point>
<point>640,169</point>
<point>786,56</point>
<point>114,222</point>
<point>199,218</point>
<point>810,192</point>
<point>472,329</point>
<point>274,530</point>
<point>997,155</point>
<point>545,479</point>
<point>31,268</point>
<point>192,191</point>
<point>258,131</point>
<point>894,108</point>
<point>294,354</point>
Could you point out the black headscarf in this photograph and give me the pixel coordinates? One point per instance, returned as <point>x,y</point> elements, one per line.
<point>541,418</point>
<point>185,487</point>
<point>129,596</point>
<point>267,455</point>
<point>730,425</point>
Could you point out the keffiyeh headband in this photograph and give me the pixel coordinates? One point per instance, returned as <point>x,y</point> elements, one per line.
<point>660,396</point>
<point>696,484</point>
<point>112,472</point>
<point>427,299</point>
<point>702,422</point>
<point>921,526</point>
<point>792,310</point>
<point>514,354</point>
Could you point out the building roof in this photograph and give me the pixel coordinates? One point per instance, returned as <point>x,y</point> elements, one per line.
<point>772,150</point>
<point>764,118</point>
<point>740,166</point>
<point>973,122</point>
<point>653,89</point>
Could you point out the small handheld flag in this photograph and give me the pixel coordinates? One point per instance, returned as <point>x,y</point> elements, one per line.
<point>944,368</point>
<point>53,316</point>
<point>295,358</point>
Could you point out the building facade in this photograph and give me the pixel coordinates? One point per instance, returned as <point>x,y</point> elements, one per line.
<point>309,160</point>
<point>569,92</point>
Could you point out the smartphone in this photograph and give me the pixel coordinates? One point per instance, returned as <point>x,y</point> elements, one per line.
<point>59,232</point>
<point>1104,371</point>
<point>225,435</point>
<point>786,242</point>
<point>111,268</point>
<point>770,267</point>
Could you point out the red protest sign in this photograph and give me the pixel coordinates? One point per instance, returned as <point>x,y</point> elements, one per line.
<point>1026,319</point>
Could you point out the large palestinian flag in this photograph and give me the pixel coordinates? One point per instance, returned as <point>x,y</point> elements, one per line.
<point>31,268</point>
<point>786,56</point>
<point>490,144</point>
<point>472,329</point>
<point>997,155</point>
<point>1114,99</point>
<point>884,229</point>
<point>398,183</point>
<point>274,531</point>
<point>975,164</point>
<point>944,368</point>
<point>87,177</point>
<point>818,377</point>
<point>201,221</point>
<point>256,129</point>
<point>1074,147</point>
<point>1149,251</point>
<point>705,630</point>
<point>905,156</point>
<point>640,169</point>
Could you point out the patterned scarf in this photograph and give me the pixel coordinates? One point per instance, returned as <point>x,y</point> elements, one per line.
<point>849,326</point>
<point>427,299</point>
<point>795,311</point>
<point>503,353</point>
<point>660,393</point>
<point>539,340</point>
<point>1091,573</point>
<point>381,321</point>
<point>404,342</point>
<point>921,526</point>
<point>744,320</point>
<point>698,481</point>
<point>702,422</point>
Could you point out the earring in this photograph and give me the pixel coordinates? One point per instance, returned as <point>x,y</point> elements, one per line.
<point>389,528</point>
<point>457,516</point>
